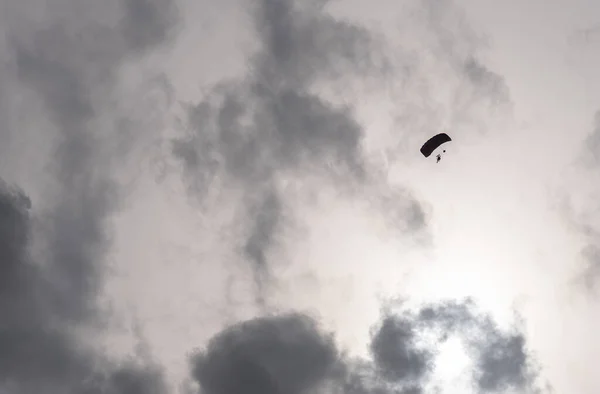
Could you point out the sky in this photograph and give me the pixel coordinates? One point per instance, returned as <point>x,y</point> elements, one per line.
<point>227,198</point>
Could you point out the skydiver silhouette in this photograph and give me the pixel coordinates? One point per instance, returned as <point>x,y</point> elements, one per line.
<point>439,156</point>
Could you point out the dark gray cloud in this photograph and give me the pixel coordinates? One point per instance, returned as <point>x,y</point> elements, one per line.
<point>290,354</point>
<point>147,23</point>
<point>270,355</point>
<point>127,379</point>
<point>267,215</point>
<point>394,351</point>
<point>302,44</point>
<point>270,124</point>
<point>271,121</point>
<point>502,362</point>
<point>37,352</point>
<point>68,61</point>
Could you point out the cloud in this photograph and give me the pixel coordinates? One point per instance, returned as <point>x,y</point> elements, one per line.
<point>394,351</point>
<point>591,145</point>
<point>128,379</point>
<point>66,63</point>
<point>502,362</point>
<point>281,354</point>
<point>261,236</point>
<point>289,353</point>
<point>580,209</point>
<point>591,271</point>
<point>491,84</point>
<point>39,352</point>
<point>147,23</point>
<point>271,126</point>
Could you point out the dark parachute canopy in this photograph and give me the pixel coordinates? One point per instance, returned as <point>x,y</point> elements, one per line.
<point>433,143</point>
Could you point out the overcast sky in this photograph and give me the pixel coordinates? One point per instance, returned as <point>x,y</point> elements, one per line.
<point>229,198</point>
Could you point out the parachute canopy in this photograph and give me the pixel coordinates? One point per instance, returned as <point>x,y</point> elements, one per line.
<point>433,143</point>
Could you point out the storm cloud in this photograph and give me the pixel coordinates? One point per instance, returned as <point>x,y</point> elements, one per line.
<point>66,64</point>
<point>290,353</point>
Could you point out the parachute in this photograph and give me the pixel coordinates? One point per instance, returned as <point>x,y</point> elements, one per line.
<point>433,143</point>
